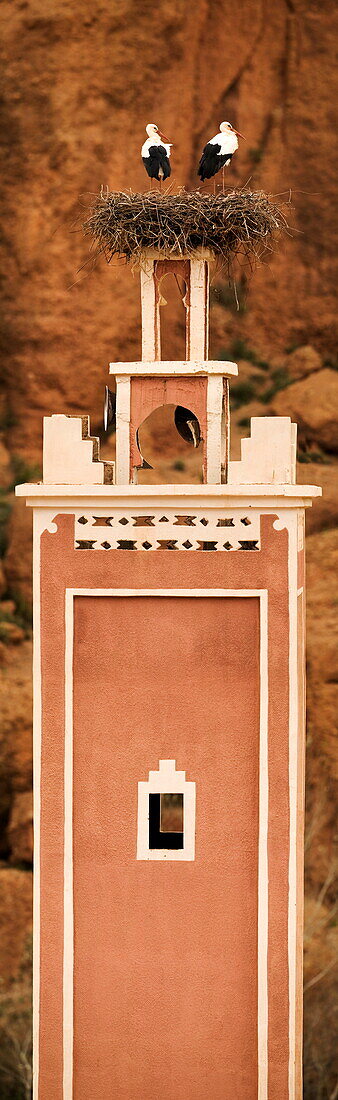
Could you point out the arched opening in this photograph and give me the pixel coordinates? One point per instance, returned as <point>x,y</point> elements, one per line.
<point>173,316</point>
<point>173,459</point>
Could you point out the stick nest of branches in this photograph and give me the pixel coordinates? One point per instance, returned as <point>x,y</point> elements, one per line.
<point>228,224</point>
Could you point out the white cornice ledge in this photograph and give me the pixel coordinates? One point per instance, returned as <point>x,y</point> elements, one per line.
<point>159,367</point>
<point>291,496</point>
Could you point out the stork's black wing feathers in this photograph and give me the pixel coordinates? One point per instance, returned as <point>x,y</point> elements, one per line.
<point>109,410</point>
<point>208,160</point>
<point>187,425</point>
<point>212,160</point>
<point>157,159</point>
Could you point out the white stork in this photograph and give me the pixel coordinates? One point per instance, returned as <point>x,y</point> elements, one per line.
<point>218,152</point>
<point>155,153</point>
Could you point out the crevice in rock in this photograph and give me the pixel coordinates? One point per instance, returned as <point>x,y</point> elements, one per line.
<point>291,61</point>
<point>230,88</point>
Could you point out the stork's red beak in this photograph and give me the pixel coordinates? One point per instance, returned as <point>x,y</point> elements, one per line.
<point>164,138</point>
<point>238,134</point>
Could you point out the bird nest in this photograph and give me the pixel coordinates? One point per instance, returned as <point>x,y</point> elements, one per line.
<point>228,224</point>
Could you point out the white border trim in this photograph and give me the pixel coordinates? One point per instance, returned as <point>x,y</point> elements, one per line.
<point>263,860</point>
<point>267,497</point>
<point>165,781</point>
<point>68,908</point>
<point>294,749</point>
<point>42,521</point>
<point>214,429</point>
<point>198,317</point>
<point>122,464</point>
<point>37,734</point>
<point>289,519</point>
<point>68,967</point>
<point>150,314</point>
<point>197,365</point>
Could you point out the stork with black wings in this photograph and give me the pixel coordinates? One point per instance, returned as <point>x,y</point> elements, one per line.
<point>155,153</point>
<point>218,152</point>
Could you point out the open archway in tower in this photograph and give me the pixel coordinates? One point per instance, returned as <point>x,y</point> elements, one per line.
<point>173,459</point>
<point>173,317</point>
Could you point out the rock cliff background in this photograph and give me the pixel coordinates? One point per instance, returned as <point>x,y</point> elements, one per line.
<point>79,84</point>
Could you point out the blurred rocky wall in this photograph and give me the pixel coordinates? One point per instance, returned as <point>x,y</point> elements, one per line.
<point>79,84</point>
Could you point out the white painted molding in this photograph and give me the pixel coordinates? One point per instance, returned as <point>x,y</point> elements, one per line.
<point>42,521</point>
<point>294,751</point>
<point>262,939</point>
<point>292,522</point>
<point>68,452</point>
<point>151,345</point>
<point>301,530</point>
<point>166,781</point>
<point>199,310</point>
<point>37,740</point>
<point>268,455</point>
<point>68,883</point>
<point>214,429</point>
<point>122,430</point>
<point>197,365</point>
<point>268,497</point>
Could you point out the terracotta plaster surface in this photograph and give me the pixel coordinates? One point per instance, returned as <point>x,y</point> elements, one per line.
<point>63,567</point>
<point>165,958</point>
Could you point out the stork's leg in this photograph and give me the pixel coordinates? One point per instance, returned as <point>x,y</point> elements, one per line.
<point>223,176</point>
<point>214,185</point>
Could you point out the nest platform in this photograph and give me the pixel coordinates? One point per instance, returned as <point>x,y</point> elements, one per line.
<point>235,222</point>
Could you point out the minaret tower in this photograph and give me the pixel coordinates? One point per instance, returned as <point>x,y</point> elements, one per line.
<point>169,729</point>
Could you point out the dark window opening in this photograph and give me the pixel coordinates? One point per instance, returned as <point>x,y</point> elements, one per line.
<point>168,447</point>
<point>173,317</point>
<point>166,821</point>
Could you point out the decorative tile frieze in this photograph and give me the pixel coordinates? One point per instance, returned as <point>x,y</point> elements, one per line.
<point>133,530</point>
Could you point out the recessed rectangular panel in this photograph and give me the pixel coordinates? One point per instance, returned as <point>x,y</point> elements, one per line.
<point>165,975</point>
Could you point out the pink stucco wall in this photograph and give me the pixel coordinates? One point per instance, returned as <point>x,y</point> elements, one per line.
<point>166,953</point>
<point>62,566</point>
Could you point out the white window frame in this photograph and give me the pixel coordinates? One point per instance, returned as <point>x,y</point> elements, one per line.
<point>166,781</point>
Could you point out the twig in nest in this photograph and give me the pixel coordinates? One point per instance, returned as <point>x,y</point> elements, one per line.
<point>239,222</point>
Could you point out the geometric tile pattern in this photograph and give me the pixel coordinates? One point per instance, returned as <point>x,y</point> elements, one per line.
<point>171,529</point>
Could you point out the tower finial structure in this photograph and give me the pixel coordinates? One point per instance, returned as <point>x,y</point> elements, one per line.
<point>169,735</point>
<point>202,384</point>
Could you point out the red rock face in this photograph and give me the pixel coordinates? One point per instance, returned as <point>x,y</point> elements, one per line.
<point>79,89</point>
<point>80,85</point>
